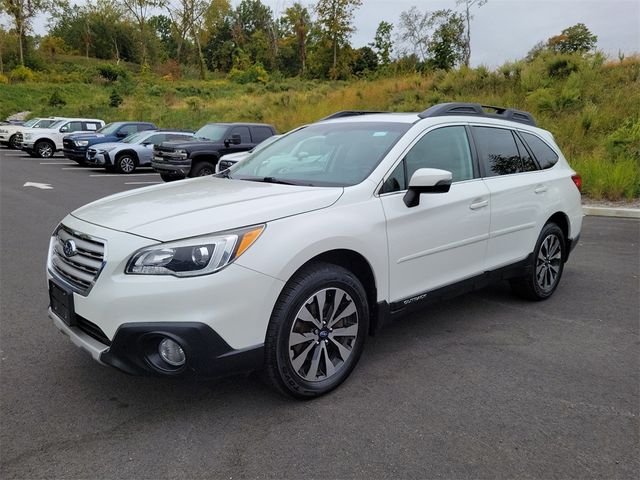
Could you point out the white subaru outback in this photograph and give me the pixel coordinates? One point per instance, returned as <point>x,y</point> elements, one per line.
<point>286,262</point>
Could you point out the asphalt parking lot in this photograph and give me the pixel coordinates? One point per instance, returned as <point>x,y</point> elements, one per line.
<point>483,386</point>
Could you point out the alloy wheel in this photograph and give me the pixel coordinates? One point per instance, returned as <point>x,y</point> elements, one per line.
<point>548,262</point>
<point>323,334</point>
<point>127,165</point>
<point>45,150</point>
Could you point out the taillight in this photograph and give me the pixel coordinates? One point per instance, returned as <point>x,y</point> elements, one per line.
<point>577,179</point>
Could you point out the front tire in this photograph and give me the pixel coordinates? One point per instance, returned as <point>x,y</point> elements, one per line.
<point>203,169</point>
<point>126,163</point>
<point>44,149</point>
<point>317,331</point>
<point>544,273</point>
<point>13,142</point>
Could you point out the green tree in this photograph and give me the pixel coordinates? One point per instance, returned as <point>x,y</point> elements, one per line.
<point>446,46</point>
<point>22,13</point>
<point>298,20</point>
<point>467,5</point>
<point>140,11</point>
<point>382,43</point>
<point>575,39</point>
<point>365,61</point>
<point>336,20</point>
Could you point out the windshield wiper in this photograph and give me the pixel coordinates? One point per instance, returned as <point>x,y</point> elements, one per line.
<point>273,180</point>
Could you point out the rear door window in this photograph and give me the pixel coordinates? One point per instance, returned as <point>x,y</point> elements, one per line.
<point>545,155</point>
<point>259,134</point>
<point>498,151</point>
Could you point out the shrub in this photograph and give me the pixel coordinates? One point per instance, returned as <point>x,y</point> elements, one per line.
<point>194,103</point>
<point>115,99</point>
<point>21,74</point>
<point>56,99</point>
<point>4,80</point>
<point>111,73</point>
<point>624,143</point>
<point>253,74</point>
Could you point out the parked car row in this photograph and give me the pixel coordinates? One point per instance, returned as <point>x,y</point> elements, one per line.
<point>124,146</point>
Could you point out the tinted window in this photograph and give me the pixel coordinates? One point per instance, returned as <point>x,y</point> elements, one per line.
<point>546,157</point>
<point>128,129</point>
<point>396,181</point>
<point>243,132</point>
<point>176,136</point>
<point>497,150</point>
<point>141,127</point>
<point>72,127</point>
<point>445,148</point>
<point>155,139</point>
<point>528,163</point>
<point>260,134</point>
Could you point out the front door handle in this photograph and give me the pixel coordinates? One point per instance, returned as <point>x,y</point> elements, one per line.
<point>479,204</point>
<point>540,189</point>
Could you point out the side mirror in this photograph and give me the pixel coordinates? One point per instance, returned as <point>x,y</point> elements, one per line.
<point>121,134</point>
<point>427,180</point>
<point>236,139</point>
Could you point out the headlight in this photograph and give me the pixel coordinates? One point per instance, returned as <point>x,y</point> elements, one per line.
<point>82,143</point>
<point>2,130</point>
<point>194,256</point>
<point>181,153</point>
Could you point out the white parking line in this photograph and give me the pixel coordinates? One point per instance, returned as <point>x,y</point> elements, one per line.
<point>121,176</point>
<point>77,168</point>
<point>57,163</point>
<point>140,183</point>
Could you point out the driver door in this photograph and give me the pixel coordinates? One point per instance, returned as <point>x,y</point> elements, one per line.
<point>444,238</point>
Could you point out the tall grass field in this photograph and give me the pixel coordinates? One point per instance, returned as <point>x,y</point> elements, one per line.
<point>591,105</point>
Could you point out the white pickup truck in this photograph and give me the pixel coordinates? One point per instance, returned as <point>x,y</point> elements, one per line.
<point>44,142</point>
<point>9,133</point>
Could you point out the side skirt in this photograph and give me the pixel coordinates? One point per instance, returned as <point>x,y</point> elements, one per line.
<point>388,312</point>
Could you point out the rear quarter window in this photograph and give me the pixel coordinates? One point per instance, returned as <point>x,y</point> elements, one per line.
<point>545,155</point>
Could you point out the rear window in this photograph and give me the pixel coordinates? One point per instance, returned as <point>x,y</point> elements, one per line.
<point>545,155</point>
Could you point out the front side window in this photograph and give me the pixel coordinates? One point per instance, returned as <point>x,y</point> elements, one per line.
<point>128,129</point>
<point>72,127</point>
<point>329,154</point>
<point>109,128</point>
<point>498,151</point>
<point>546,157</point>
<point>444,148</point>
<point>243,132</point>
<point>135,137</point>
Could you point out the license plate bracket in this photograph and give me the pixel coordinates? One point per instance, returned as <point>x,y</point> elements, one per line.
<point>61,302</point>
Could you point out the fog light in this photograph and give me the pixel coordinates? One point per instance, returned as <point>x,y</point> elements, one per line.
<point>171,352</point>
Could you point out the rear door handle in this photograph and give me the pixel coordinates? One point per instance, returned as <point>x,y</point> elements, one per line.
<point>540,189</point>
<point>479,204</point>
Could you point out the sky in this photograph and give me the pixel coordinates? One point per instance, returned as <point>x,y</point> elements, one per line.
<point>502,30</point>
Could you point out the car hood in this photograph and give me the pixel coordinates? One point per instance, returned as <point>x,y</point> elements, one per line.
<point>204,205</point>
<point>236,157</point>
<point>109,145</point>
<point>186,145</point>
<point>84,136</point>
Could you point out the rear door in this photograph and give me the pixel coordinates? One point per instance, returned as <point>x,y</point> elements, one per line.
<point>513,179</point>
<point>443,239</point>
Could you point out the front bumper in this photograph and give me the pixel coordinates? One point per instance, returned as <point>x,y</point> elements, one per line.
<point>170,164</point>
<point>77,154</point>
<point>222,331</point>
<point>99,159</point>
<point>27,146</point>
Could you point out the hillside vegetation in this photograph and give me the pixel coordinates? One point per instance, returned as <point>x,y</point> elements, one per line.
<point>592,106</point>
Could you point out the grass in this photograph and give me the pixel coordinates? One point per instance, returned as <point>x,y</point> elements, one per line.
<point>592,107</point>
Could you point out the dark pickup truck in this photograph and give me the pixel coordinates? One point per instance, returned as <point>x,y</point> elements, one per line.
<point>75,146</point>
<point>197,158</point>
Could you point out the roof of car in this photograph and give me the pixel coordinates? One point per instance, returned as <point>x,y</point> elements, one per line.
<point>243,124</point>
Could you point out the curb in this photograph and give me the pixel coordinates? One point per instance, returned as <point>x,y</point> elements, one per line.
<point>611,212</point>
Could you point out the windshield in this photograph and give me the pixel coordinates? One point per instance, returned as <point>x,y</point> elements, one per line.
<point>135,137</point>
<point>31,123</point>
<point>109,128</point>
<point>333,154</point>
<point>211,132</point>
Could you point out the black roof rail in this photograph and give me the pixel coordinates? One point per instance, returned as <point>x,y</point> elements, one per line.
<point>349,113</point>
<point>459,108</point>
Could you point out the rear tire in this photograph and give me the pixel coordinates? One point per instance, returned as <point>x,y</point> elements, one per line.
<point>545,270</point>
<point>44,149</point>
<point>203,169</point>
<point>317,331</point>
<point>126,163</point>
